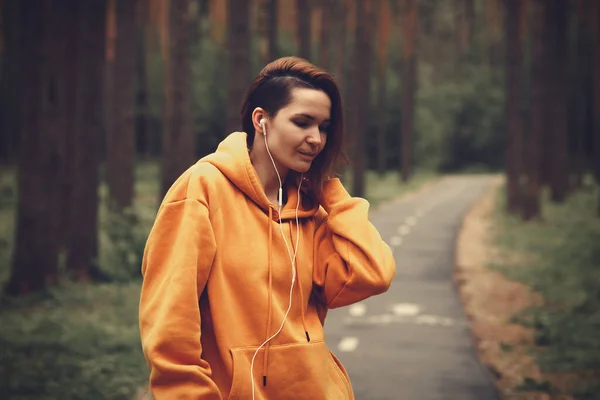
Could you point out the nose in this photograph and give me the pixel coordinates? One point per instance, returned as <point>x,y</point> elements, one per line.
<point>314,137</point>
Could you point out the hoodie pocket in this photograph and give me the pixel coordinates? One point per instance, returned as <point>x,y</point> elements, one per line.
<point>304,371</point>
<point>337,364</point>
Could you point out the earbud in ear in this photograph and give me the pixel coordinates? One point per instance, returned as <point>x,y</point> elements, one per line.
<point>262,124</point>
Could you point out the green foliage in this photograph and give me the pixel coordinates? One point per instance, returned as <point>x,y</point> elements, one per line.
<point>123,235</point>
<point>459,122</point>
<point>506,348</point>
<point>79,342</point>
<point>459,107</point>
<point>532,385</point>
<point>122,238</point>
<point>558,257</point>
<point>8,201</point>
<point>589,391</point>
<point>210,95</point>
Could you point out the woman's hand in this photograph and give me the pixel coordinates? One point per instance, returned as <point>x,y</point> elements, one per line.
<point>306,187</point>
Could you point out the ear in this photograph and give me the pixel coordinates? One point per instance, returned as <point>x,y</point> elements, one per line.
<point>257,115</point>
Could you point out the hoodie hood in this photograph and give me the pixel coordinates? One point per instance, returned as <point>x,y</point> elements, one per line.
<point>233,160</point>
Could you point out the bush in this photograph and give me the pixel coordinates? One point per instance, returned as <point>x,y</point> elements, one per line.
<point>122,240</point>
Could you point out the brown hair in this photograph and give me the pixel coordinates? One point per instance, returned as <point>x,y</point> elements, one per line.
<point>272,90</point>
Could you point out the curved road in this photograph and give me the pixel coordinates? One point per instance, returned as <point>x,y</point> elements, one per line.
<point>413,342</point>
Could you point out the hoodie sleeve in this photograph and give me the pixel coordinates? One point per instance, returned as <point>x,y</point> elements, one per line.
<point>352,262</point>
<point>176,264</point>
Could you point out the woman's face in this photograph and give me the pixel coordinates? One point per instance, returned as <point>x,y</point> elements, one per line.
<point>298,132</point>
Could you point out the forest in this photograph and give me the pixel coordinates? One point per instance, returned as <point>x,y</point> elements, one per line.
<point>104,103</point>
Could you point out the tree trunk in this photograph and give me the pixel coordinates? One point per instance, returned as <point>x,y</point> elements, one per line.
<point>409,25</point>
<point>67,72</point>
<point>120,147</point>
<point>273,11</point>
<point>464,23</point>
<point>303,23</point>
<point>340,31</point>
<point>9,77</point>
<point>35,262</point>
<point>142,92</point>
<point>546,146</point>
<point>382,120</point>
<point>408,107</point>
<point>581,78</point>
<point>149,94</point>
<point>514,72</point>
<point>325,41</point>
<point>492,28</point>
<point>469,10</point>
<point>540,95</point>
<point>362,57</point>
<point>596,137</point>
<point>460,25</point>
<point>267,31</point>
<point>273,33</point>
<point>178,143</point>
<point>199,13</point>
<point>109,81</point>
<point>558,46</point>
<point>83,245</point>
<point>238,46</point>
<point>596,83</point>
<point>343,73</point>
<point>55,114</point>
<point>262,31</point>
<point>218,11</point>
<point>383,39</point>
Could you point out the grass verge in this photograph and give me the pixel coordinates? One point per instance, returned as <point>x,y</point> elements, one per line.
<point>533,297</point>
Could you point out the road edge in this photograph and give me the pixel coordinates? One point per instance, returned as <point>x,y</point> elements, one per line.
<point>488,301</point>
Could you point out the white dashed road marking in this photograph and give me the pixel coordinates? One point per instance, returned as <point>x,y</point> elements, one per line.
<point>406,309</point>
<point>348,344</point>
<point>411,221</point>
<point>403,230</point>
<point>426,320</point>
<point>395,241</point>
<point>357,310</point>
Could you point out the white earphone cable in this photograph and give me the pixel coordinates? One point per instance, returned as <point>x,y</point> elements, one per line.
<point>292,258</point>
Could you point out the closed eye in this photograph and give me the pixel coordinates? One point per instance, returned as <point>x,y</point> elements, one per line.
<point>304,125</point>
<point>306,120</point>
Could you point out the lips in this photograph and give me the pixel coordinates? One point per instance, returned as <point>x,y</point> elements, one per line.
<point>307,154</point>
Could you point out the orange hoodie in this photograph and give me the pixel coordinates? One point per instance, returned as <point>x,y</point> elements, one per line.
<point>217,278</point>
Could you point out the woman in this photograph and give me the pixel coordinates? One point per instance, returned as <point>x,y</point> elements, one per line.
<point>250,248</point>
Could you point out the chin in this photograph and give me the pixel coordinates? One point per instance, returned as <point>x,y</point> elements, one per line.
<point>301,167</point>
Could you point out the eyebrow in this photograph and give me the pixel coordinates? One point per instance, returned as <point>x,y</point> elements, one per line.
<point>311,117</point>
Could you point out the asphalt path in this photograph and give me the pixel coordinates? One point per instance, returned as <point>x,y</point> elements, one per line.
<point>413,342</point>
